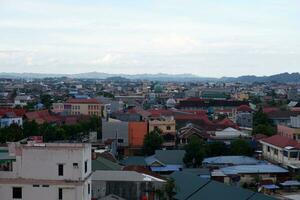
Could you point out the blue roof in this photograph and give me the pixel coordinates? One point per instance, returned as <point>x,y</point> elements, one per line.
<point>168,168</point>
<point>235,160</point>
<point>270,186</point>
<point>253,169</point>
<point>290,183</point>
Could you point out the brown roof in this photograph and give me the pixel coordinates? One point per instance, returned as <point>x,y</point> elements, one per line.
<point>17,112</point>
<point>282,114</point>
<point>41,116</point>
<point>244,108</point>
<point>281,141</point>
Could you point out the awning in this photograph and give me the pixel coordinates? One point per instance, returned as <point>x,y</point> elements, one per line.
<point>270,187</point>
<point>290,183</point>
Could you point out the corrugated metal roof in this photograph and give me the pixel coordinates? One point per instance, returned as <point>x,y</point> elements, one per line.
<point>253,169</point>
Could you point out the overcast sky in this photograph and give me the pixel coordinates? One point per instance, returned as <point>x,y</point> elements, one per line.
<point>204,37</point>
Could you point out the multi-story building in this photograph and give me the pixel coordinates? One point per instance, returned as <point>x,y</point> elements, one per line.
<point>282,150</point>
<point>83,107</point>
<point>50,171</point>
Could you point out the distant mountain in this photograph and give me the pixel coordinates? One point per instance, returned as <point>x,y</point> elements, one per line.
<point>281,78</point>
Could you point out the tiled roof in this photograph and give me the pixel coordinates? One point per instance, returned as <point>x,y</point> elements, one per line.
<point>17,112</point>
<point>226,122</point>
<point>281,141</point>
<point>282,114</point>
<point>41,116</point>
<point>244,108</point>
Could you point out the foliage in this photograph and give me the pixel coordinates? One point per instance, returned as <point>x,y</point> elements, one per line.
<point>262,124</point>
<point>216,149</point>
<point>46,100</point>
<point>194,152</point>
<point>170,188</point>
<point>241,147</point>
<point>12,133</point>
<point>50,132</point>
<point>152,142</point>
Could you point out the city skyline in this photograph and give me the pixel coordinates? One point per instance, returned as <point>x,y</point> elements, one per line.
<point>205,38</point>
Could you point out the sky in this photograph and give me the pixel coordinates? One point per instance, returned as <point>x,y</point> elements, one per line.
<point>211,38</point>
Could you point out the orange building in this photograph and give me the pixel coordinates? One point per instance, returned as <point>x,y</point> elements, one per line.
<point>136,134</point>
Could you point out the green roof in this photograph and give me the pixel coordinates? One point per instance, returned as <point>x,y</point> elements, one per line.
<point>192,187</point>
<point>134,160</point>
<point>104,164</point>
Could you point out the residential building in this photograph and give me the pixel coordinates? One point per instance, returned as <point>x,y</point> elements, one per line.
<point>282,150</point>
<point>288,131</point>
<point>9,119</point>
<point>52,171</point>
<point>192,187</point>
<point>115,130</point>
<point>83,107</point>
<point>241,174</point>
<point>126,184</point>
<point>136,135</point>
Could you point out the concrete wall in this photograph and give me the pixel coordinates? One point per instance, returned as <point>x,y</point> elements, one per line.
<point>163,125</point>
<point>46,193</point>
<point>111,130</point>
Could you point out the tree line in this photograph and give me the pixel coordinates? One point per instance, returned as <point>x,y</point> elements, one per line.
<point>50,131</point>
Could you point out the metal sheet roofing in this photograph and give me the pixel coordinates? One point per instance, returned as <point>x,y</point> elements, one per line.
<point>235,160</point>
<point>253,169</point>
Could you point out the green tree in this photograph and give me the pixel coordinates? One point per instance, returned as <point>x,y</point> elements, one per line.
<point>30,128</point>
<point>46,100</point>
<point>241,147</point>
<point>170,188</point>
<point>216,149</point>
<point>262,124</point>
<point>194,152</point>
<point>11,133</point>
<point>152,142</point>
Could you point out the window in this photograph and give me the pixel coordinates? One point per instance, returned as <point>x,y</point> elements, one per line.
<point>275,151</point>
<point>268,149</point>
<point>85,166</point>
<point>168,128</point>
<point>89,188</point>
<point>120,140</point>
<point>17,193</point>
<point>60,193</point>
<point>35,185</point>
<point>60,170</point>
<point>45,185</point>
<point>75,165</point>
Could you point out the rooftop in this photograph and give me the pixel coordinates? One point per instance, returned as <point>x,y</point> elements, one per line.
<point>234,160</point>
<point>281,141</point>
<point>133,176</point>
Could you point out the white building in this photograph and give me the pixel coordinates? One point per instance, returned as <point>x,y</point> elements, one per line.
<point>282,150</point>
<point>49,171</point>
<point>9,119</point>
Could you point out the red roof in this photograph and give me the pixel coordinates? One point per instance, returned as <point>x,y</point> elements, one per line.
<point>196,112</point>
<point>83,101</point>
<point>160,112</point>
<point>17,112</point>
<point>194,117</point>
<point>270,109</point>
<point>281,141</point>
<point>226,122</point>
<point>244,108</point>
<point>41,116</point>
